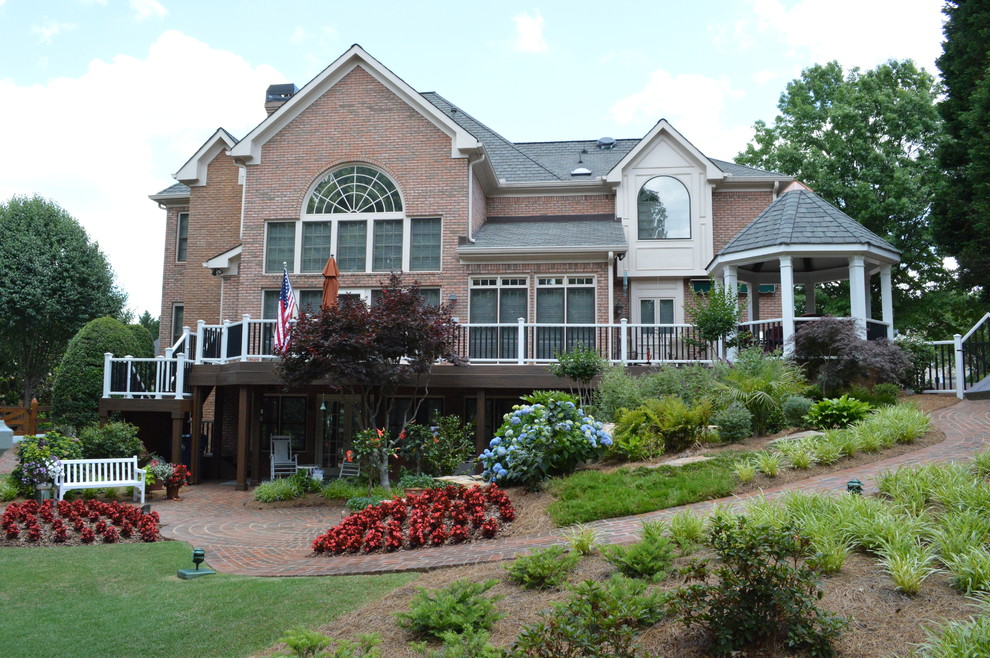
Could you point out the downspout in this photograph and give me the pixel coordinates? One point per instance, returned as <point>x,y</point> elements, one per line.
<point>776,187</point>
<point>611,285</point>
<point>243,170</point>
<point>471,165</point>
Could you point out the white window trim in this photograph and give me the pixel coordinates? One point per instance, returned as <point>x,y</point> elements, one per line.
<point>474,284</point>
<point>178,228</point>
<point>644,178</point>
<point>369,219</point>
<point>565,285</point>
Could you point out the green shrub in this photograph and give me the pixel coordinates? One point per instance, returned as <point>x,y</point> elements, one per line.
<point>597,619</point>
<point>78,383</point>
<point>543,568</point>
<point>359,503</point>
<point>469,644</point>
<point>275,490</point>
<point>760,382</point>
<point>795,408</point>
<point>581,364</point>
<point>763,592</point>
<point>549,436</point>
<point>305,482</point>
<point>455,608</point>
<point>345,488</point>
<point>920,354</point>
<point>454,445</point>
<point>310,643</point>
<point>832,413</point>
<point>618,390</point>
<point>36,449</point>
<point>8,488</point>
<point>734,422</point>
<point>687,528</point>
<point>880,395</point>
<point>410,481</point>
<point>648,559</point>
<point>115,439</point>
<point>667,424</point>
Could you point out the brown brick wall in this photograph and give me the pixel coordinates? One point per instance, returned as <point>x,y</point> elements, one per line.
<point>524,206</point>
<point>173,284</point>
<point>733,211</point>
<point>358,120</point>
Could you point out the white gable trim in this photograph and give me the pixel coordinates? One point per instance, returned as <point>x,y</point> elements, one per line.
<point>659,131</point>
<point>248,150</point>
<point>193,172</point>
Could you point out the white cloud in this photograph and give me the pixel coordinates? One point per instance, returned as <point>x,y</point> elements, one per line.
<point>99,143</point>
<point>298,35</point>
<point>855,32</point>
<point>49,30</point>
<point>529,34</point>
<point>144,9</point>
<point>694,104</point>
<point>764,76</point>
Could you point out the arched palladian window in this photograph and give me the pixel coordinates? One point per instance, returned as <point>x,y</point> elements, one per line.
<point>664,209</point>
<point>354,189</point>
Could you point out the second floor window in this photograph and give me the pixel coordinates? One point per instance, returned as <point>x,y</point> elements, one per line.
<point>182,237</point>
<point>355,213</point>
<point>663,209</point>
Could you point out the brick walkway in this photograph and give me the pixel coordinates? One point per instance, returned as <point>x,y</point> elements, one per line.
<point>277,542</point>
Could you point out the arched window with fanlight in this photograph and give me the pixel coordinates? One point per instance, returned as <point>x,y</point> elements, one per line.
<point>663,209</point>
<point>356,213</point>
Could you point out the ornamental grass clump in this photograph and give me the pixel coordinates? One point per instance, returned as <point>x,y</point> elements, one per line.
<point>959,639</point>
<point>745,470</point>
<point>970,570</point>
<point>908,566</point>
<point>276,490</point>
<point>583,540</point>
<point>769,463</point>
<point>549,436</point>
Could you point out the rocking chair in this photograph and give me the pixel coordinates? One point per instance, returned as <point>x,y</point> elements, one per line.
<point>283,462</point>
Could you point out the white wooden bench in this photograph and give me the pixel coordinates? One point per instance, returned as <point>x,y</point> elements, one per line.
<point>100,474</point>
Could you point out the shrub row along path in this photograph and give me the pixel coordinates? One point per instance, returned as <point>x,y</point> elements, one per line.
<point>277,542</point>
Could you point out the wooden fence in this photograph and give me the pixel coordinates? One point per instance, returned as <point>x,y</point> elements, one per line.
<point>24,420</point>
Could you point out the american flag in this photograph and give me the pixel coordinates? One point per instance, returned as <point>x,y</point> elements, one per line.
<point>286,311</point>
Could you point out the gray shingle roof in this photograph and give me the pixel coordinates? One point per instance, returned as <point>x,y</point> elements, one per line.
<point>802,217</point>
<point>532,162</point>
<point>179,189</point>
<point>577,231</point>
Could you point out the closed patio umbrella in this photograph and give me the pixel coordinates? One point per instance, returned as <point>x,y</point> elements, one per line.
<point>331,285</point>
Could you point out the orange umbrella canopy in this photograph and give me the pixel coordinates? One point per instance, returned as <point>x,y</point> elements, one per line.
<point>331,285</point>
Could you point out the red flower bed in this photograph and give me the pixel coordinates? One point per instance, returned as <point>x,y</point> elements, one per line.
<point>451,515</point>
<point>78,522</point>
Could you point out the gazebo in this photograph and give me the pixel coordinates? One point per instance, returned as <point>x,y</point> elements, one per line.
<point>802,240</point>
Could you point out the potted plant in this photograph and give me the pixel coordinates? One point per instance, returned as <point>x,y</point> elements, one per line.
<point>174,481</point>
<point>41,473</point>
<point>152,482</point>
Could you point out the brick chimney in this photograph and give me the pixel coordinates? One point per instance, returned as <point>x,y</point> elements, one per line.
<point>276,96</point>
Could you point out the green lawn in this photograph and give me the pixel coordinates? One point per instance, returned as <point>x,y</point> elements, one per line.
<point>126,600</point>
<point>591,495</point>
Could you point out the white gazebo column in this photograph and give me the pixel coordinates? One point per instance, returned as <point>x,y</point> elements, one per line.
<point>787,302</point>
<point>750,296</point>
<point>887,300</point>
<point>857,296</point>
<point>867,294</point>
<point>809,299</point>
<point>730,280</point>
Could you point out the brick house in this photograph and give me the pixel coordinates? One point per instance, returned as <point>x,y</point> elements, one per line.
<point>607,235</point>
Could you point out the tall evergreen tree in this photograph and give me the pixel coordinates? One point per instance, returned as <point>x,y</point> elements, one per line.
<point>961,214</point>
<point>53,280</point>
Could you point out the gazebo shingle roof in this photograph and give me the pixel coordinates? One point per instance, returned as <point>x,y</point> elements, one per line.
<point>800,216</point>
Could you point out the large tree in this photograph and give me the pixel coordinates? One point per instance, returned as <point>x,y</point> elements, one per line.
<point>961,215</point>
<point>53,280</point>
<point>865,142</point>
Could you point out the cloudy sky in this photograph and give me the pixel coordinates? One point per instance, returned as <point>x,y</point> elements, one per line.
<point>101,101</point>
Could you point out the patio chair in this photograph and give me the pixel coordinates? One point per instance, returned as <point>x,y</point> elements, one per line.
<point>349,470</point>
<point>283,462</point>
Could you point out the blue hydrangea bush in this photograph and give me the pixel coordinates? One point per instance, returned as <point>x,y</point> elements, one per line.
<point>548,436</point>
